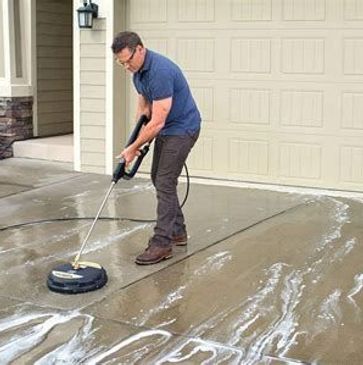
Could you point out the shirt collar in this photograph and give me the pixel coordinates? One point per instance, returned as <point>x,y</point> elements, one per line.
<point>147,61</point>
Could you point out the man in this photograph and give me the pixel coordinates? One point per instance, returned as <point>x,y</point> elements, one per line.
<point>164,96</point>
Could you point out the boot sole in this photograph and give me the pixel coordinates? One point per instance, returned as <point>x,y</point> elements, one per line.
<point>153,262</point>
<point>183,243</point>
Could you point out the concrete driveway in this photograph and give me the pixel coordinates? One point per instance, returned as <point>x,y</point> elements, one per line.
<point>268,277</point>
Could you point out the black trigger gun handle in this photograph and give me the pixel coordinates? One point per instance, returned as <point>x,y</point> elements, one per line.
<point>120,171</point>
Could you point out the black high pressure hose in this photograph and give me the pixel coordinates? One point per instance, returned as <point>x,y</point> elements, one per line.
<point>137,220</point>
<point>120,172</point>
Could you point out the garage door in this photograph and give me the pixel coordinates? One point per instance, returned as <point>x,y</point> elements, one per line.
<point>279,84</point>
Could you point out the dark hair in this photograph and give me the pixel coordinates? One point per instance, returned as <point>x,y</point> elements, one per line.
<point>125,40</point>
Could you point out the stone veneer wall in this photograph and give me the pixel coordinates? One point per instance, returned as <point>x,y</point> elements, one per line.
<point>16,122</point>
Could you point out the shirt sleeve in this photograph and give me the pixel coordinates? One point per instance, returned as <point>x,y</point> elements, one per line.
<point>162,84</point>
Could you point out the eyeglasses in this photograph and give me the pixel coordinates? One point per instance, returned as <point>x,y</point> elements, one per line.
<point>127,62</point>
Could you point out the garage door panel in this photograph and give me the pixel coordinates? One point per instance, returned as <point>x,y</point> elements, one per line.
<point>145,11</point>
<point>279,85</point>
<point>250,106</point>
<point>158,44</point>
<point>251,10</point>
<point>352,55</point>
<point>196,55</point>
<point>203,156</point>
<point>302,108</point>
<point>351,164</point>
<point>206,101</point>
<point>300,160</point>
<point>352,111</point>
<point>250,157</point>
<point>250,55</point>
<point>240,14</point>
<point>197,11</point>
<point>304,10</point>
<point>353,10</point>
<point>310,109</point>
<point>303,56</point>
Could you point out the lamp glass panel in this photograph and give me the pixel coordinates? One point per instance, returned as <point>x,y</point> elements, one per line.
<point>85,19</point>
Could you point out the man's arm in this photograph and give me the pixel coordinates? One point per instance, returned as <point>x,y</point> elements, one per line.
<point>143,107</point>
<point>160,111</point>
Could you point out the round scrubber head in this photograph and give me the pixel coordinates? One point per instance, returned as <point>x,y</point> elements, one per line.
<point>66,279</point>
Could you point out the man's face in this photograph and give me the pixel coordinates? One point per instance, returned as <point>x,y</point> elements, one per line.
<point>131,59</point>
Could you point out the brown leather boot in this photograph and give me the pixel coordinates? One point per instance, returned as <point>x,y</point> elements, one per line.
<point>181,240</point>
<point>154,254</point>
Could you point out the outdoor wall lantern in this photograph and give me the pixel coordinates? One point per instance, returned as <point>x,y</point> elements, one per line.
<point>86,13</point>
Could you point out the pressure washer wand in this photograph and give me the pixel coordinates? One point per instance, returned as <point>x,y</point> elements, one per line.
<point>75,262</point>
<point>120,172</point>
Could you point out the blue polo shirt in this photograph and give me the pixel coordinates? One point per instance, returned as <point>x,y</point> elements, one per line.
<point>160,78</point>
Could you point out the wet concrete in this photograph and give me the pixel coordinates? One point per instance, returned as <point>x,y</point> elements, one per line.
<point>18,174</point>
<point>267,277</point>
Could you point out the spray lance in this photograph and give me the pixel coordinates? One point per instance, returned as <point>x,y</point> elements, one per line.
<point>81,276</point>
<point>119,173</point>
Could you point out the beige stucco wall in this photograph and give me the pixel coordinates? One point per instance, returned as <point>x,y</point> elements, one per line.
<point>54,66</point>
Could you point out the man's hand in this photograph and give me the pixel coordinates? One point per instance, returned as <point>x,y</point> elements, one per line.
<point>129,153</point>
